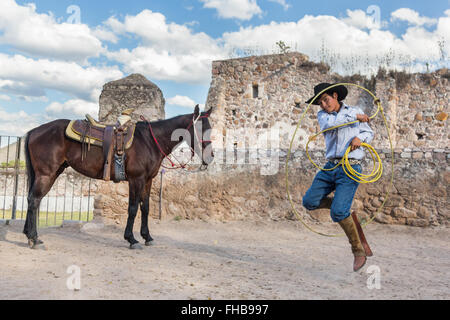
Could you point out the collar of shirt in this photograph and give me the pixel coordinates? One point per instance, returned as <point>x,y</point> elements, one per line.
<point>343,107</point>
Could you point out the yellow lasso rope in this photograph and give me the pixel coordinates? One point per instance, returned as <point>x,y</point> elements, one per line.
<point>356,176</point>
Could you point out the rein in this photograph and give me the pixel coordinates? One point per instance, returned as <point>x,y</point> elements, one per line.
<point>192,123</point>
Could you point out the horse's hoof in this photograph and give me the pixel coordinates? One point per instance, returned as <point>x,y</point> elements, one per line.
<point>36,244</point>
<point>149,243</point>
<point>136,246</point>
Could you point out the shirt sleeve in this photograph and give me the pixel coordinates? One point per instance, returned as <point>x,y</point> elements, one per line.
<point>365,131</point>
<point>327,120</point>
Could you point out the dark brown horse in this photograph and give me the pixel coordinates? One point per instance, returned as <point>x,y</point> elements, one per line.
<point>48,152</point>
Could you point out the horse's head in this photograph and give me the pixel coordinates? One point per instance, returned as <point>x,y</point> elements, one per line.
<point>201,136</point>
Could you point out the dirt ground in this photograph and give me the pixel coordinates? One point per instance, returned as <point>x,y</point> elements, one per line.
<point>216,260</point>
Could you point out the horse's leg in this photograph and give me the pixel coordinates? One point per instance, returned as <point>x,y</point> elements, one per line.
<point>135,189</point>
<point>145,205</point>
<point>41,186</point>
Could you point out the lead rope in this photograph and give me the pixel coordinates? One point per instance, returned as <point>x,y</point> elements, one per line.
<point>181,166</point>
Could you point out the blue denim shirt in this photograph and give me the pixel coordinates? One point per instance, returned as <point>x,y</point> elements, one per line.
<point>338,140</point>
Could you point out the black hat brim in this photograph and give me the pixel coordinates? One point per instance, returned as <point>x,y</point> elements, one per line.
<point>341,90</point>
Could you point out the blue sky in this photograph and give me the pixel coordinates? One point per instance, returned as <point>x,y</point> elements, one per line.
<point>53,63</point>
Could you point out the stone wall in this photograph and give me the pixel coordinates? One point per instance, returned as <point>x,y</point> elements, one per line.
<point>418,196</point>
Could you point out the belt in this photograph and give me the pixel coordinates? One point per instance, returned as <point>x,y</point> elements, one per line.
<point>351,161</point>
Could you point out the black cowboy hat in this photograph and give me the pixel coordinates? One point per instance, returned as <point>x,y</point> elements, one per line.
<point>340,90</point>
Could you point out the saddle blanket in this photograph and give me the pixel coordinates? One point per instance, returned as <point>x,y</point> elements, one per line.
<point>94,135</point>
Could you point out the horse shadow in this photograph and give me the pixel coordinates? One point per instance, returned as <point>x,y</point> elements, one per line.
<point>221,252</point>
<point>6,228</point>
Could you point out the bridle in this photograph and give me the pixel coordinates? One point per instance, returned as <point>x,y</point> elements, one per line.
<point>199,141</point>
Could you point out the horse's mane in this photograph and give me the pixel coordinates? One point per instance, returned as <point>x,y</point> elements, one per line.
<point>157,122</point>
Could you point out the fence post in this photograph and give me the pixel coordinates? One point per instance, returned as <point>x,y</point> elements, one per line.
<point>16,177</point>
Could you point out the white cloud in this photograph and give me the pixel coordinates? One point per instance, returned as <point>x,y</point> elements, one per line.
<point>161,35</point>
<point>5,97</point>
<point>115,25</point>
<point>359,19</point>
<point>346,42</point>
<point>181,101</point>
<point>412,17</point>
<point>65,48</point>
<point>192,23</point>
<point>41,35</point>
<point>169,51</point>
<point>33,99</point>
<point>308,33</point>
<point>188,68</point>
<point>443,27</point>
<point>239,9</point>
<point>282,3</point>
<point>419,43</point>
<point>72,109</point>
<point>30,77</point>
<point>20,89</point>
<point>17,123</point>
<point>106,35</point>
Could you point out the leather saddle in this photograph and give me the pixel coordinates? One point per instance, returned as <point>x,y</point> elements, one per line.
<point>113,139</point>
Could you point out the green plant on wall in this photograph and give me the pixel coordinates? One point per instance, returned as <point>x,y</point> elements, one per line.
<point>283,47</point>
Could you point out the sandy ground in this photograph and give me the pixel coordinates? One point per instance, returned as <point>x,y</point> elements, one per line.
<point>216,260</point>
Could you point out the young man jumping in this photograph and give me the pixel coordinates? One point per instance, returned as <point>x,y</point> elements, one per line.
<point>334,112</point>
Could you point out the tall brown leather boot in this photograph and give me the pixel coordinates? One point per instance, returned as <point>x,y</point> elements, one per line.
<point>349,227</point>
<point>362,237</point>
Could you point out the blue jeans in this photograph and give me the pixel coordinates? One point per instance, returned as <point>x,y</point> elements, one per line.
<point>326,182</point>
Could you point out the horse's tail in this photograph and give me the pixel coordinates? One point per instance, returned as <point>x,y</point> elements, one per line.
<point>30,169</point>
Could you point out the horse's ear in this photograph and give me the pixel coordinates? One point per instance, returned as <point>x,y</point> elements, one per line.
<point>209,111</point>
<point>196,111</point>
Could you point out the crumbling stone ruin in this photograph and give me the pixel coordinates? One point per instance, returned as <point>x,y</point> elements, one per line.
<point>134,91</point>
